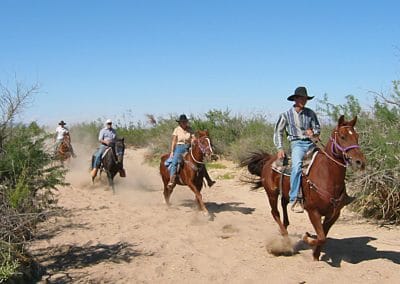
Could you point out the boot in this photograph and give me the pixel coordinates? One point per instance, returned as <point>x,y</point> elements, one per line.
<point>348,199</point>
<point>93,173</point>
<point>297,206</point>
<point>122,173</point>
<point>171,182</point>
<point>210,182</point>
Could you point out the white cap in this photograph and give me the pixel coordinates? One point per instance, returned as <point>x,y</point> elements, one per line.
<point>108,121</point>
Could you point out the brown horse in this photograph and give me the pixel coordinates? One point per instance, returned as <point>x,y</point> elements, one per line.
<point>64,149</point>
<point>323,187</point>
<point>192,171</point>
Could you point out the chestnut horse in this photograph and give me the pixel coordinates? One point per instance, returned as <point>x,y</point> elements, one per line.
<point>64,149</point>
<point>192,171</point>
<point>323,187</point>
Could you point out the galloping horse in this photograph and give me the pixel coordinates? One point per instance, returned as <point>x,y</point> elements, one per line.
<point>112,161</point>
<point>64,149</point>
<point>192,171</point>
<point>323,187</point>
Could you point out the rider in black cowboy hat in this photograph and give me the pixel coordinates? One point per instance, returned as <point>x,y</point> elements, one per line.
<point>301,125</point>
<point>61,131</point>
<point>181,141</point>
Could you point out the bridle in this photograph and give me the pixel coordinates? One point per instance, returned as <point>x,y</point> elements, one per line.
<point>203,148</point>
<point>335,146</point>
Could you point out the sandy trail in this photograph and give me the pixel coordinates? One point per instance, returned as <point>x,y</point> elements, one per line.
<point>132,237</point>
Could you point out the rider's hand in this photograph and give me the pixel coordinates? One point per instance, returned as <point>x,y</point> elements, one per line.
<point>310,133</point>
<point>281,154</point>
<point>171,154</point>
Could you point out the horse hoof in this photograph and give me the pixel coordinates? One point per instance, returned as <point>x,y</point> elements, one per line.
<point>306,236</point>
<point>208,215</point>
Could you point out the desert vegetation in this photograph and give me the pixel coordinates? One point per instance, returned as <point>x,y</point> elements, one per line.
<point>29,176</point>
<point>377,188</point>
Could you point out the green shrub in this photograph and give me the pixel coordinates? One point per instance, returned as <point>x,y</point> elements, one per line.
<point>378,188</point>
<point>8,263</point>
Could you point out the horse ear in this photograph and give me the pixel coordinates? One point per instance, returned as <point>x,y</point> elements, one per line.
<point>353,122</point>
<point>341,120</point>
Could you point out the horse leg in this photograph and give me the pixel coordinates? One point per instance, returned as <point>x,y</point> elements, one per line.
<point>315,219</point>
<point>327,224</point>
<point>165,178</point>
<point>110,180</point>
<point>273,202</point>
<point>167,193</point>
<point>199,198</point>
<point>284,203</point>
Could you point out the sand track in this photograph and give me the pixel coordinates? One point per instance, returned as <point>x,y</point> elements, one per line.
<point>132,237</point>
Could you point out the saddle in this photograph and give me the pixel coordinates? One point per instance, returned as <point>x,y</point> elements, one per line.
<point>179,166</point>
<point>284,166</point>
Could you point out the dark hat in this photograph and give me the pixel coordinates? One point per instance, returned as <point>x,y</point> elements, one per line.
<point>182,118</point>
<point>299,92</point>
<point>62,122</point>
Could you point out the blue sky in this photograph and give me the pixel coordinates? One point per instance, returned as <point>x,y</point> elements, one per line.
<point>102,58</point>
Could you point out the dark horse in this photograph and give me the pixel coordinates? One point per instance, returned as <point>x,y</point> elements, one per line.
<point>323,188</point>
<point>112,161</point>
<point>63,151</point>
<point>192,171</point>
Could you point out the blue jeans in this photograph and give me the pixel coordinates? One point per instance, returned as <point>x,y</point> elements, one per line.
<point>299,149</point>
<point>180,149</point>
<point>97,156</point>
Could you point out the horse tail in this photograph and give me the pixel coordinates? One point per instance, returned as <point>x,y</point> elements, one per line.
<point>255,162</point>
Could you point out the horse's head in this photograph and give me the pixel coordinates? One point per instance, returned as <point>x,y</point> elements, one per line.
<point>119,149</point>
<point>344,143</point>
<point>202,144</point>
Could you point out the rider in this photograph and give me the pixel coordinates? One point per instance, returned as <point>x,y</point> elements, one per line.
<point>107,138</point>
<point>181,141</point>
<point>301,126</point>
<point>62,131</point>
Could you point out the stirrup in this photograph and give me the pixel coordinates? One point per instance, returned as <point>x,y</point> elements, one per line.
<point>297,206</point>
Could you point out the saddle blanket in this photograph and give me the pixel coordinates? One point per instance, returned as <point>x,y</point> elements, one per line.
<point>284,167</point>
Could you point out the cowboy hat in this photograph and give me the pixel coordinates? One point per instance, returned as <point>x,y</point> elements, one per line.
<point>182,118</point>
<point>108,121</point>
<point>62,122</point>
<point>299,92</point>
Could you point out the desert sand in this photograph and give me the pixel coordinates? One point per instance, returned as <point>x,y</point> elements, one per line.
<point>133,237</point>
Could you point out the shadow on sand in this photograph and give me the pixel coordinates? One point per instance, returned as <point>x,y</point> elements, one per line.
<point>352,250</point>
<point>215,208</point>
<point>55,260</point>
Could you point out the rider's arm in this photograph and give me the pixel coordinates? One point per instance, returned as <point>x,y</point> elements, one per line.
<point>101,137</point>
<point>278,135</point>
<point>316,127</point>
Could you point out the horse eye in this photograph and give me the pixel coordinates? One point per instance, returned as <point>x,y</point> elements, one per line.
<point>342,137</point>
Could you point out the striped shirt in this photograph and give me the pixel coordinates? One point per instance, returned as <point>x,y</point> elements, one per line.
<point>295,125</point>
